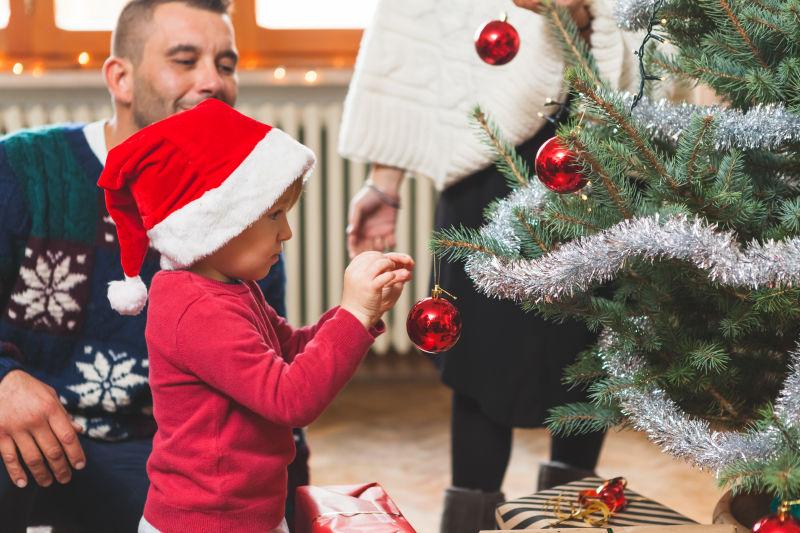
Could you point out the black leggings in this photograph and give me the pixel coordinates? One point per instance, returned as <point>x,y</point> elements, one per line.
<point>481,448</point>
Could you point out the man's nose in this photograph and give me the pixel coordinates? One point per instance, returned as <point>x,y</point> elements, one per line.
<point>209,80</point>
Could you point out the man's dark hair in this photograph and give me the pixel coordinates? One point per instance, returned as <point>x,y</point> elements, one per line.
<point>128,41</point>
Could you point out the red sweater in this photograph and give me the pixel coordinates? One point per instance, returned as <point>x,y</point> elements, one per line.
<point>230,378</point>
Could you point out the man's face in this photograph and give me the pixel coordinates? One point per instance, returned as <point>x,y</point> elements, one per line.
<point>188,55</point>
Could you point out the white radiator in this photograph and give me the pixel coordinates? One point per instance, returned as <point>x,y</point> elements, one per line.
<point>317,255</point>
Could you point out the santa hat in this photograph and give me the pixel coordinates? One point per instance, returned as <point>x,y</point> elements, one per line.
<point>189,184</point>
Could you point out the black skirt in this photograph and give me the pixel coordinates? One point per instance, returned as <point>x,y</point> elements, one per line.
<point>511,362</point>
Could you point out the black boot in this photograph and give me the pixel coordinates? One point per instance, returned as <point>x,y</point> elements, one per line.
<point>555,473</point>
<point>469,511</point>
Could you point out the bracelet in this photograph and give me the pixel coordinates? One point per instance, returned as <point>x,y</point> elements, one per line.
<point>385,198</point>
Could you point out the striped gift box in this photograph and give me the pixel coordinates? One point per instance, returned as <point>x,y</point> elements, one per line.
<point>529,512</point>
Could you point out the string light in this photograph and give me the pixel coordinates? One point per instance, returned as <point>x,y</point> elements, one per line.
<point>311,76</point>
<point>37,71</point>
<point>279,73</point>
<point>17,68</point>
<point>84,58</point>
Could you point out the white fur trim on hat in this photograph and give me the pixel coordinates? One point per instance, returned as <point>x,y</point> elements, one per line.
<point>168,264</point>
<point>127,297</point>
<point>204,225</point>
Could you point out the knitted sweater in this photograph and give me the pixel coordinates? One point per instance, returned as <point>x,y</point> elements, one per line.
<point>230,379</point>
<point>58,251</point>
<point>417,77</point>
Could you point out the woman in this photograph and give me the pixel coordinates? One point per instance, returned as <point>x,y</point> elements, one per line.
<point>416,79</point>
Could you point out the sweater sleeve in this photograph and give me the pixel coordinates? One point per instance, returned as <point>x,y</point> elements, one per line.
<point>14,230</point>
<point>294,341</point>
<point>243,366</point>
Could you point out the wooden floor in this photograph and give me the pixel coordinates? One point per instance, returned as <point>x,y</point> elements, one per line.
<point>395,431</point>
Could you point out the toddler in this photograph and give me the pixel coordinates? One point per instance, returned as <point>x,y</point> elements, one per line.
<point>209,189</point>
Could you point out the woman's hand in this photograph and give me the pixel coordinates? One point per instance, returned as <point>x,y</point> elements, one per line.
<point>537,5</point>
<point>577,8</point>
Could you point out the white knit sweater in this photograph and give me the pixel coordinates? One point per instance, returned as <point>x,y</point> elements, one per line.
<point>417,77</point>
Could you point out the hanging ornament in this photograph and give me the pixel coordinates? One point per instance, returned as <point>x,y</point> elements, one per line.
<point>558,169</point>
<point>611,493</point>
<point>783,522</point>
<point>497,42</point>
<point>434,324</point>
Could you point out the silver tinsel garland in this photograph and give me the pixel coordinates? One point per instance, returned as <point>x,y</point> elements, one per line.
<point>767,127</point>
<point>666,424</point>
<point>634,15</point>
<point>576,265</point>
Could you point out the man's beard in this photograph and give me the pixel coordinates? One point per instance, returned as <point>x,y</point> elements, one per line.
<point>149,107</point>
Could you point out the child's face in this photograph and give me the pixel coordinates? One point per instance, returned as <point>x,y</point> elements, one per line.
<point>251,254</point>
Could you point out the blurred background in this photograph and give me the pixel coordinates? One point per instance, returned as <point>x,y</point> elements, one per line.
<point>391,424</point>
<point>296,62</point>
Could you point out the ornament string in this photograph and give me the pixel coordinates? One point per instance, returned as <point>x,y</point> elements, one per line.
<point>437,290</point>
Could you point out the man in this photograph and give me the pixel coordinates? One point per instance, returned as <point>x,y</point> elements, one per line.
<point>75,408</point>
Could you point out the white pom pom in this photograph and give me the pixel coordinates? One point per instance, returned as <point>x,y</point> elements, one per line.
<point>127,297</point>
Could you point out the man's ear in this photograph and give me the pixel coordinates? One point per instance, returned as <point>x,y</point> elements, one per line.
<point>118,73</point>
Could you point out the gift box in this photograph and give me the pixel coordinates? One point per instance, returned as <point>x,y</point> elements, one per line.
<point>348,509</point>
<point>530,512</point>
<point>636,529</point>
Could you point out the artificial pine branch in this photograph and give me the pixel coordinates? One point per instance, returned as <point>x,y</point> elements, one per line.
<point>531,232</point>
<point>726,7</point>
<point>576,49</point>
<point>698,143</point>
<point>642,145</point>
<point>581,418</point>
<point>508,161</point>
<point>583,153</point>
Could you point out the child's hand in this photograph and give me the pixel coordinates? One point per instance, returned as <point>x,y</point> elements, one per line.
<point>372,284</point>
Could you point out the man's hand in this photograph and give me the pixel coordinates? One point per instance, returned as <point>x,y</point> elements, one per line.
<point>33,421</point>
<point>371,221</point>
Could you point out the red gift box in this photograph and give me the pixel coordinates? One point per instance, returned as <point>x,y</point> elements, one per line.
<point>348,509</point>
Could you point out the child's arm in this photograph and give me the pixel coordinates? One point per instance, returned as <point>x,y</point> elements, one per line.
<point>234,358</point>
<point>241,365</point>
<point>293,341</point>
<point>372,283</point>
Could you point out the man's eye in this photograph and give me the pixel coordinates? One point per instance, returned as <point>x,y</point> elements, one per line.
<point>186,62</point>
<point>227,69</point>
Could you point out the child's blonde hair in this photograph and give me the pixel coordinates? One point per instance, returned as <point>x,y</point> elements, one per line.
<point>292,193</point>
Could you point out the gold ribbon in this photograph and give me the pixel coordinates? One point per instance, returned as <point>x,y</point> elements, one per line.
<point>576,512</point>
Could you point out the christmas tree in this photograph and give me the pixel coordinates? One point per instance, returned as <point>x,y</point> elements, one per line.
<point>683,249</point>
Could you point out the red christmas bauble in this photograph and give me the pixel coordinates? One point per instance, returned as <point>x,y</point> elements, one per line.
<point>611,493</point>
<point>777,523</point>
<point>558,169</point>
<point>434,325</point>
<point>497,42</point>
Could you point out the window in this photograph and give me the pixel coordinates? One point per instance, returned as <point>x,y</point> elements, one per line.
<point>314,14</point>
<point>71,15</point>
<point>5,12</point>
<point>73,34</point>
